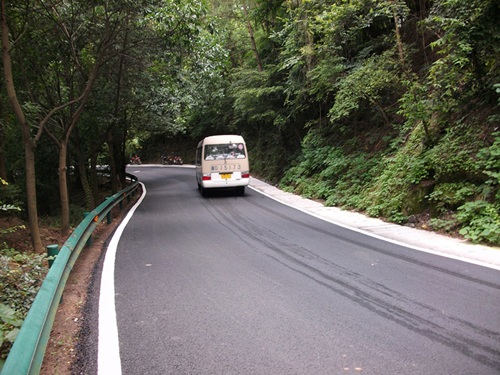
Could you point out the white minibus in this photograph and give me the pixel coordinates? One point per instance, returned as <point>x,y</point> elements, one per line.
<point>221,163</point>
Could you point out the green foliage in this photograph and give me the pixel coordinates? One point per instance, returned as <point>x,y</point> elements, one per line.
<point>20,278</point>
<point>9,329</point>
<point>480,220</point>
<point>328,172</point>
<point>491,163</point>
<point>446,225</point>
<point>468,41</point>
<point>382,106</point>
<point>416,106</point>
<point>367,85</point>
<point>454,156</point>
<point>390,193</point>
<point>255,98</point>
<point>464,67</point>
<point>359,28</point>
<point>354,108</point>
<point>405,181</point>
<point>187,76</point>
<point>450,195</point>
<point>9,197</point>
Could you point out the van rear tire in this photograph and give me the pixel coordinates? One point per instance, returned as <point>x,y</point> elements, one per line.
<point>240,190</point>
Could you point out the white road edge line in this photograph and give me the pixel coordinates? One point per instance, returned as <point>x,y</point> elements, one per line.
<point>446,255</point>
<point>108,353</point>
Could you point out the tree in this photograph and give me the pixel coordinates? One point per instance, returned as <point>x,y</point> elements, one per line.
<point>252,38</point>
<point>29,142</point>
<point>75,40</point>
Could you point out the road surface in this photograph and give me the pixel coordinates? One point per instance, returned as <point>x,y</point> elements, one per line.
<point>246,285</point>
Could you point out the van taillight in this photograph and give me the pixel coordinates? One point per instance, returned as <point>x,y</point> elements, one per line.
<point>207,178</point>
<point>245,175</point>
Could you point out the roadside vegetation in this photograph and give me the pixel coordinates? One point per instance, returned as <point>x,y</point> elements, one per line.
<point>388,107</point>
<point>21,274</point>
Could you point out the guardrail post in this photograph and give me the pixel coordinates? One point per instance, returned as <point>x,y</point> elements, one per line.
<point>108,215</point>
<point>52,251</point>
<point>89,241</point>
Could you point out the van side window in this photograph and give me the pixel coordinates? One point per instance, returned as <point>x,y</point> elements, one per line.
<point>198,156</point>
<point>225,151</point>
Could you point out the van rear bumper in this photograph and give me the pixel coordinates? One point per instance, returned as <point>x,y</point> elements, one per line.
<point>214,184</point>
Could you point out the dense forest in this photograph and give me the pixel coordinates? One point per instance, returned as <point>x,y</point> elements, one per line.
<point>388,107</point>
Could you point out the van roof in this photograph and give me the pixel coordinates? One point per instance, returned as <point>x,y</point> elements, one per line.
<point>226,138</point>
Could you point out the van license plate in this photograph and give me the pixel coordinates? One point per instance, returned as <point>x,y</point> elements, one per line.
<point>225,176</point>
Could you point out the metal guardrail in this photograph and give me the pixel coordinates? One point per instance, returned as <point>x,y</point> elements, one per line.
<point>26,355</point>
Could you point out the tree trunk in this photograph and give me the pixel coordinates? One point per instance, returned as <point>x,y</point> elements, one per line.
<point>3,171</point>
<point>122,170</point>
<point>93,177</point>
<point>63,188</point>
<point>398,38</point>
<point>31,195</point>
<point>83,171</point>
<point>29,145</point>
<point>112,165</point>
<point>63,145</point>
<point>398,34</point>
<point>250,31</point>
<point>89,195</point>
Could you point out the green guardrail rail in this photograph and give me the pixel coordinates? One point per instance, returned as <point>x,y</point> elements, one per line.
<point>26,355</point>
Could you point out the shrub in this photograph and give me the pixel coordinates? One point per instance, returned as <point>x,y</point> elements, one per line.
<point>449,196</point>
<point>9,197</point>
<point>482,221</point>
<point>389,192</point>
<point>10,321</point>
<point>20,278</point>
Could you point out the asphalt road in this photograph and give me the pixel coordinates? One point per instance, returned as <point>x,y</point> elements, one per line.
<point>246,285</point>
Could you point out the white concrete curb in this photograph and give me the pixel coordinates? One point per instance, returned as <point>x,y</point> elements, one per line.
<point>417,239</point>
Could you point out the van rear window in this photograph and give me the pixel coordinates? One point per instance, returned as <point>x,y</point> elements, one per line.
<point>225,151</point>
